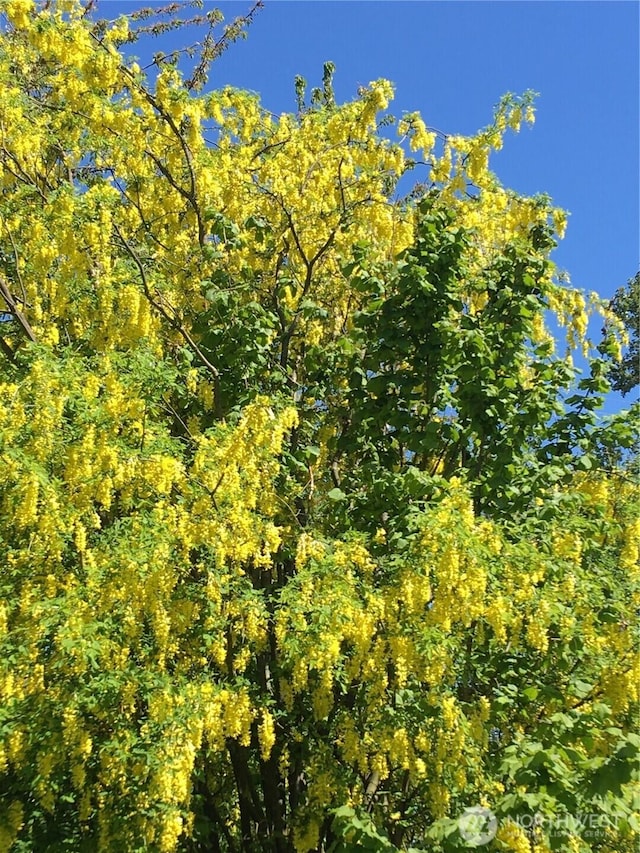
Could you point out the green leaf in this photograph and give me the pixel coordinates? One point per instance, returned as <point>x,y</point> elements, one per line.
<point>336,494</point>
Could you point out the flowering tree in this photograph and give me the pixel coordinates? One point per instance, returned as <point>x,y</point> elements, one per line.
<point>305,544</point>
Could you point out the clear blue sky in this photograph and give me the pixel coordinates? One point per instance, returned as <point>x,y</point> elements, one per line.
<point>452,61</point>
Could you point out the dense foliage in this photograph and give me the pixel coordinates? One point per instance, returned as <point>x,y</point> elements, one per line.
<point>306,540</point>
<point>625,305</point>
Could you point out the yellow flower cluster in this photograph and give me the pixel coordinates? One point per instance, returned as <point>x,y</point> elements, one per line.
<point>18,12</point>
<point>630,554</point>
<point>512,837</point>
<point>266,734</point>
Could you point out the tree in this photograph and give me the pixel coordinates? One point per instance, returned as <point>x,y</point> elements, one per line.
<point>305,543</point>
<point>625,306</point>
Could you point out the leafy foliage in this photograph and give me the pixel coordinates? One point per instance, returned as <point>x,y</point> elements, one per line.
<point>625,305</point>
<point>310,537</point>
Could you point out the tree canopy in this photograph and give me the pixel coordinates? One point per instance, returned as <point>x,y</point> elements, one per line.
<point>625,305</point>
<point>306,539</point>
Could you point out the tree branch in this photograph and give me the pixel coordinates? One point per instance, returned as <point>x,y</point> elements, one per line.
<point>17,313</point>
<point>172,320</point>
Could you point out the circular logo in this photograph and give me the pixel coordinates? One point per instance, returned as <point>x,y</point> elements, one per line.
<point>477,826</point>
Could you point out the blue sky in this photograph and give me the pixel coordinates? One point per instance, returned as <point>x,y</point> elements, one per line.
<point>452,61</point>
